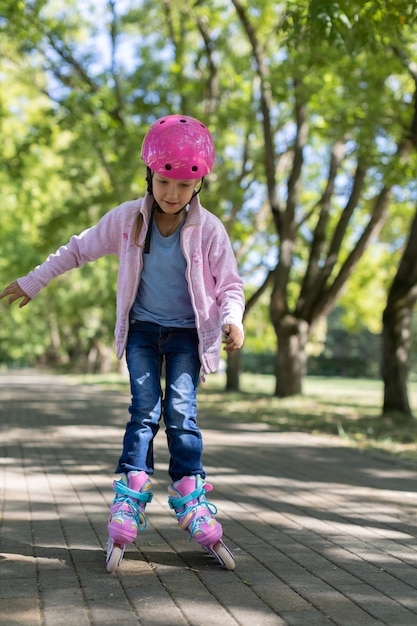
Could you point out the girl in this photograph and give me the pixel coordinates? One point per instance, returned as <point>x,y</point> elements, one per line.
<point>178,290</point>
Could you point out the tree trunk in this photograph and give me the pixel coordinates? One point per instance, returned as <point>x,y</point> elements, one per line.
<point>291,361</point>
<point>397,327</point>
<point>395,351</point>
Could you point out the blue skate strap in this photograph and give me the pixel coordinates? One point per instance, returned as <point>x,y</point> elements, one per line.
<point>176,503</point>
<point>122,489</point>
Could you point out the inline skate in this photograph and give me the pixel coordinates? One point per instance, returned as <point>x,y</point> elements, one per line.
<point>196,515</point>
<point>127,514</point>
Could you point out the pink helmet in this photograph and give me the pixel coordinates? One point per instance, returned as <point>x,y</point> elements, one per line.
<point>180,147</point>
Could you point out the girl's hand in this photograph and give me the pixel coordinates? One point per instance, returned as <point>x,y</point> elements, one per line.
<point>15,293</point>
<point>233,337</point>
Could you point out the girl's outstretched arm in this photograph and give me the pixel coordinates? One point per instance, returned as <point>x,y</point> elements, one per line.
<point>14,292</point>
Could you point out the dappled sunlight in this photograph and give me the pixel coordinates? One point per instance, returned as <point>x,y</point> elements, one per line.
<point>299,512</point>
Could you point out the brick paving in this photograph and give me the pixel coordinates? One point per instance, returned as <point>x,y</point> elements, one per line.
<point>321,533</point>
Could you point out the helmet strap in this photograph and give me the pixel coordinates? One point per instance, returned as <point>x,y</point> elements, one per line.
<point>149,179</point>
<point>147,246</point>
<point>197,191</point>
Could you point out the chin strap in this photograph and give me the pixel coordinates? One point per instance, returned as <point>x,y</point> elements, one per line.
<point>149,180</point>
<point>147,246</point>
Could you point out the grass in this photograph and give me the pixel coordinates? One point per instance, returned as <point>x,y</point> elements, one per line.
<point>341,407</point>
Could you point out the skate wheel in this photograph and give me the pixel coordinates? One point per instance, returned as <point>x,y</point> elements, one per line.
<point>223,555</point>
<point>114,558</point>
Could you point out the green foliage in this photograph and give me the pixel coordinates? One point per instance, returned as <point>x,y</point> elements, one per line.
<point>81,82</point>
<point>349,350</point>
<point>349,25</point>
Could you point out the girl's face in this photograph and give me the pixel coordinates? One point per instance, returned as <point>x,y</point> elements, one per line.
<point>172,195</point>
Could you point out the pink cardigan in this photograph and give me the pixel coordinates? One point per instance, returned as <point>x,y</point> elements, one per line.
<point>215,287</point>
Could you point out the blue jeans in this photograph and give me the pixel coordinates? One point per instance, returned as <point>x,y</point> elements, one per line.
<point>149,346</point>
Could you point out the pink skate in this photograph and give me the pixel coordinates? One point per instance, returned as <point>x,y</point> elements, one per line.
<point>127,514</point>
<point>196,515</point>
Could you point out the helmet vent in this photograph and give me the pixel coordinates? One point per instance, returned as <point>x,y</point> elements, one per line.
<point>180,147</point>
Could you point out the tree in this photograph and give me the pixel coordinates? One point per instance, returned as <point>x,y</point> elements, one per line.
<point>401,298</point>
<point>397,329</point>
<point>101,105</point>
<point>309,127</point>
<point>344,106</point>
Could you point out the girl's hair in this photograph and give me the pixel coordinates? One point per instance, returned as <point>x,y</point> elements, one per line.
<point>137,227</point>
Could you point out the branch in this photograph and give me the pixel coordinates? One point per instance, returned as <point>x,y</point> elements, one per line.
<point>213,83</point>
<point>411,135</point>
<point>317,290</point>
<point>329,297</point>
<point>258,293</point>
<point>308,289</point>
<point>170,21</point>
<point>341,227</point>
<point>116,113</point>
<point>403,290</point>
<point>64,52</point>
<point>298,159</point>
<point>266,100</point>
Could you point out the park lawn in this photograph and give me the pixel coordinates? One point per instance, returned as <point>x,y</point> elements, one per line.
<point>343,407</point>
<point>347,408</point>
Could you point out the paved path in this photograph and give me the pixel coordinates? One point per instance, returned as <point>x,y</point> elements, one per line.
<point>322,534</point>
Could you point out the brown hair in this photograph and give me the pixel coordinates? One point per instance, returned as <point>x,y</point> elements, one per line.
<point>137,227</point>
